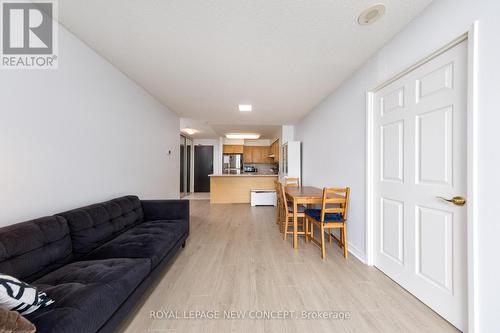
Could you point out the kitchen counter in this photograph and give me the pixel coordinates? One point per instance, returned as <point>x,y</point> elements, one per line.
<point>248,174</point>
<point>235,188</point>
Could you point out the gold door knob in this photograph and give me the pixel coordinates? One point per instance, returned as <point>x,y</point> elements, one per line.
<point>459,201</point>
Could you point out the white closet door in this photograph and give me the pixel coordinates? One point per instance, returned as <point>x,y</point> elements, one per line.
<point>420,154</point>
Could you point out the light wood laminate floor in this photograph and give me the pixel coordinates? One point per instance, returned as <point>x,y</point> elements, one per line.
<point>235,259</point>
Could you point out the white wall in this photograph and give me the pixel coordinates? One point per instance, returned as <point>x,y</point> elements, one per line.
<point>247,142</point>
<point>333,135</point>
<point>276,135</point>
<point>258,142</point>
<point>81,134</point>
<point>227,141</point>
<point>287,133</point>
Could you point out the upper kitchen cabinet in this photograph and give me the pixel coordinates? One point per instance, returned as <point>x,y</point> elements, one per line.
<point>233,149</point>
<point>257,154</point>
<point>247,154</point>
<point>275,151</point>
<point>261,155</point>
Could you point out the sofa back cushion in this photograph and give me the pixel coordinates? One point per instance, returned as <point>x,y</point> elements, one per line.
<point>94,225</point>
<point>31,249</point>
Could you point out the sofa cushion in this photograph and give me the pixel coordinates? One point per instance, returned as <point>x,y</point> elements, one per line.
<point>31,249</point>
<point>94,225</point>
<point>87,293</point>
<point>329,217</point>
<point>151,239</point>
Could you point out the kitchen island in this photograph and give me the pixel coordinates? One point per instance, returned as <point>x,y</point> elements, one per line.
<point>235,188</point>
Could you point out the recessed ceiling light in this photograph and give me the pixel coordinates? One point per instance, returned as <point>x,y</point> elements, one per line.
<point>245,107</point>
<point>189,131</point>
<point>371,14</point>
<point>242,136</point>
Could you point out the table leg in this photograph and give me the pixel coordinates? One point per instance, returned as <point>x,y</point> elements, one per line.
<point>295,236</point>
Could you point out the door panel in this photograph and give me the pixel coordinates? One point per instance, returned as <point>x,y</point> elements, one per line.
<point>434,146</point>
<point>392,152</point>
<point>203,166</point>
<point>440,79</point>
<point>420,154</point>
<point>393,101</point>
<point>434,244</point>
<point>392,229</point>
<point>247,154</point>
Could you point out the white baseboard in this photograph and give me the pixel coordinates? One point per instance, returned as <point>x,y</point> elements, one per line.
<point>360,255</point>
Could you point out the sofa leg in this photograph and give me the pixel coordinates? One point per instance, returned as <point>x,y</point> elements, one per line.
<point>183,244</point>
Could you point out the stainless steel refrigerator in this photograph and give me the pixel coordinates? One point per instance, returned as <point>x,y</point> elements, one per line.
<point>232,163</point>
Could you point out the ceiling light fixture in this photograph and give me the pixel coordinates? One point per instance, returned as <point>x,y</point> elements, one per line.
<point>371,14</point>
<point>242,136</point>
<point>189,131</point>
<point>245,107</point>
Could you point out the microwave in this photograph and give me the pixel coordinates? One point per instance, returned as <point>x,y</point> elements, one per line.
<point>249,168</point>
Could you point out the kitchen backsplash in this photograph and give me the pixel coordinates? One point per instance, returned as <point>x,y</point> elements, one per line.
<point>263,168</point>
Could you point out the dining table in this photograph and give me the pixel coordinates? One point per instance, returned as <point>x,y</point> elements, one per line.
<point>305,195</point>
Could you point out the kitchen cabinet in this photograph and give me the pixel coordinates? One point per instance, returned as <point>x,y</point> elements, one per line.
<point>261,155</point>
<point>257,154</point>
<point>233,149</point>
<point>247,154</point>
<point>275,151</point>
<point>237,188</point>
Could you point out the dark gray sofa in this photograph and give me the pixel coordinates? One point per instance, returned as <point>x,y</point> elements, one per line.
<point>95,262</point>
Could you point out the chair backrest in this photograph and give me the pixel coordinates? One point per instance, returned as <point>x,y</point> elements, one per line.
<point>284,204</point>
<point>335,200</point>
<point>292,181</point>
<point>277,186</point>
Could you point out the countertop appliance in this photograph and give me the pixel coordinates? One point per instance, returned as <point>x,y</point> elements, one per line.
<point>249,168</point>
<point>232,162</point>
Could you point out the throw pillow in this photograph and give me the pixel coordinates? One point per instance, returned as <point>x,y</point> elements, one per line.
<point>21,297</point>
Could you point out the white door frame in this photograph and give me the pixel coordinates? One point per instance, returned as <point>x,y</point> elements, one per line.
<point>472,195</point>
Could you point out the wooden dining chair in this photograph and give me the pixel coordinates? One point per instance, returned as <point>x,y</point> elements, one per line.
<point>277,186</point>
<point>292,181</point>
<point>287,215</point>
<point>332,215</point>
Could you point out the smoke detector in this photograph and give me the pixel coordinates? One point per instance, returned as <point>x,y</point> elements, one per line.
<point>371,14</point>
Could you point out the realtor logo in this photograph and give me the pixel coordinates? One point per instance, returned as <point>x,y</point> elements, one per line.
<point>28,34</point>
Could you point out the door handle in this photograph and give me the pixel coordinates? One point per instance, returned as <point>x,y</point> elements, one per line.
<point>459,201</point>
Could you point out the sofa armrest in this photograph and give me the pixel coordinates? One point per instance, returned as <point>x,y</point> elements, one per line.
<point>165,210</point>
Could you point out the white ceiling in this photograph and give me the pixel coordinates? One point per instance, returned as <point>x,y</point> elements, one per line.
<point>202,58</point>
<point>203,129</point>
<point>206,130</point>
<point>265,131</point>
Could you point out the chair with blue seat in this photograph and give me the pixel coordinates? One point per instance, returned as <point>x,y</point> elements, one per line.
<point>332,215</point>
